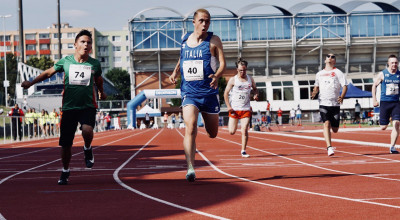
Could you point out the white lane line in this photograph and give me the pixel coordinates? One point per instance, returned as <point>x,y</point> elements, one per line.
<point>375,144</point>
<point>116,178</point>
<point>47,148</point>
<point>291,189</point>
<point>315,166</point>
<point>45,164</point>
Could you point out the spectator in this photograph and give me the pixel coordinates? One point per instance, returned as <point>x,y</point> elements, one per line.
<point>107,118</point>
<point>357,112</point>
<point>279,116</point>
<point>16,119</point>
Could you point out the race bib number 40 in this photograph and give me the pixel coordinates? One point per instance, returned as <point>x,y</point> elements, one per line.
<point>193,70</point>
<point>79,74</point>
<point>392,89</point>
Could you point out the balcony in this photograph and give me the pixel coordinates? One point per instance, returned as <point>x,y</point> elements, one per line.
<point>30,42</point>
<point>44,52</point>
<point>44,41</point>
<point>31,52</point>
<point>8,43</point>
<point>102,43</point>
<point>102,54</point>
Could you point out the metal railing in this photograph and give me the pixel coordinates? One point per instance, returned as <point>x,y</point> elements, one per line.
<point>20,128</point>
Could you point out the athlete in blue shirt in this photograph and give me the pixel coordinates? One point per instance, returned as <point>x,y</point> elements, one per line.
<point>200,52</point>
<point>389,103</point>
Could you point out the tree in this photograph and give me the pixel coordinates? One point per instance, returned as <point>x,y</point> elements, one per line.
<point>121,79</point>
<point>43,63</point>
<point>221,90</point>
<point>12,71</point>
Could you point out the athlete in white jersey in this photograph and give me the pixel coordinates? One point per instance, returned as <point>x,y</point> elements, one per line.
<point>328,83</point>
<point>237,98</point>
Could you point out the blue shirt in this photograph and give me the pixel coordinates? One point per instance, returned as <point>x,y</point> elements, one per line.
<point>390,86</point>
<point>195,69</point>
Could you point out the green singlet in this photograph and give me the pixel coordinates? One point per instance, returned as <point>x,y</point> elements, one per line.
<point>79,92</point>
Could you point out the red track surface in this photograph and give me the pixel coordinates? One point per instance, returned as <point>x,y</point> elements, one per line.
<point>140,175</point>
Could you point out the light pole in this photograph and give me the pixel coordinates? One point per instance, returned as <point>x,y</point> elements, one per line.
<point>6,83</point>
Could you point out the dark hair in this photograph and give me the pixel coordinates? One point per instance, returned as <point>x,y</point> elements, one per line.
<point>392,56</point>
<point>83,32</point>
<point>241,61</point>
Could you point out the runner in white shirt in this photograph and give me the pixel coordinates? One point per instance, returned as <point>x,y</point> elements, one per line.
<point>292,115</point>
<point>237,98</point>
<point>328,83</point>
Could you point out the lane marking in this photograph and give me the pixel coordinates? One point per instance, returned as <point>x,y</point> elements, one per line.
<point>288,188</point>
<point>45,164</point>
<point>116,178</point>
<point>375,144</point>
<point>47,148</point>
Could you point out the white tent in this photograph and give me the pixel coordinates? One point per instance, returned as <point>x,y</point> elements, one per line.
<point>147,109</point>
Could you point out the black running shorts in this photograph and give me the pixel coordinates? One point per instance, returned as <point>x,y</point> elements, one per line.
<point>330,113</point>
<point>69,122</point>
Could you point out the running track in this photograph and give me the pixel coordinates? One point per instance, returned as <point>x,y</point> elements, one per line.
<point>140,175</point>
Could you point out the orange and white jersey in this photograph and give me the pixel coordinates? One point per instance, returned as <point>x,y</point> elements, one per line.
<point>240,94</point>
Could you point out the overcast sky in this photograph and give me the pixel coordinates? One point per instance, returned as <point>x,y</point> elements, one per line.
<point>109,15</point>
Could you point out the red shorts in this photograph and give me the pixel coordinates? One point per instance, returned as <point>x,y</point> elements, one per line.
<point>240,114</point>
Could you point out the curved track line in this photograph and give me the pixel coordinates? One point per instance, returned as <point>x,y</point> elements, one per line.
<point>116,178</point>
<point>48,148</point>
<point>292,189</point>
<point>42,165</point>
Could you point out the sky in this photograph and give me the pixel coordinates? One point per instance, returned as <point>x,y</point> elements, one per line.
<point>112,15</point>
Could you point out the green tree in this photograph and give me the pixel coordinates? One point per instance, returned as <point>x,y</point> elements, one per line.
<point>43,63</point>
<point>12,66</point>
<point>121,79</point>
<point>221,90</point>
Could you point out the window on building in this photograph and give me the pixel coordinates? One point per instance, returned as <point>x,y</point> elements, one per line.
<point>306,87</point>
<point>127,37</point>
<point>116,38</point>
<point>70,46</point>
<point>16,37</point>
<point>127,48</point>
<point>55,35</point>
<point>117,59</point>
<point>55,46</point>
<point>30,47</point>
<point>30,36</point>
<point>56,57</point>
<point>282,90</point>
<point>262,91</point>
<point>44,36</point>
<point>44,46</point>
<point>116,48</point>
<point>71,35</point>
<point>7,38</point>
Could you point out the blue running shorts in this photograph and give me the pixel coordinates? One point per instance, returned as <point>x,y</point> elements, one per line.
<point>208,104</point>
<point>388,109</point>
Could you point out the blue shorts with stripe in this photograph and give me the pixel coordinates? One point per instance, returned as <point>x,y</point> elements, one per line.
<point>207,104</point>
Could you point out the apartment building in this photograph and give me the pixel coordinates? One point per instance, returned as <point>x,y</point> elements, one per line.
<point>44,42</point>
<point>113,49</point>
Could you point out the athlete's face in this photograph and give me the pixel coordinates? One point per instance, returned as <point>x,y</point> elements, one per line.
<point>330,58</point>
<point>83,45</point>
<point>242,69</point>
<point>201,22</point>
<point>393,64</point>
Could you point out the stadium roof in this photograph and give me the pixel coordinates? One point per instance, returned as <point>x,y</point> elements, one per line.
<point>346,8</point>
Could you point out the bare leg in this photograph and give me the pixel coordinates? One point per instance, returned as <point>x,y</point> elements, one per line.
<point>190,114</point>
<point>245,134</point>
<point>66,156</point>
<point>395,133</point>
<point>327,133</point>
<point>87,134</point>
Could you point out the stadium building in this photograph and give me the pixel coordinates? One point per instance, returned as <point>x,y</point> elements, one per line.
<point>285,48</point>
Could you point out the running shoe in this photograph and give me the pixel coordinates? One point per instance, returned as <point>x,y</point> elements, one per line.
<point>244,154</point>
<point>89,158</point>
<point>63,178</point>
<point>190,176</point>
<point>393,150</point>
<point>330,151</point>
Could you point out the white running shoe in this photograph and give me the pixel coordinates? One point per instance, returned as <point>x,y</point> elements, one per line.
<point>330,151</point>
<point>244,154</point>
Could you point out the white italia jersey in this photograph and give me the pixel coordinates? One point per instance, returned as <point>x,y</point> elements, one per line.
<point>240,94</point>
<point>329,83</point>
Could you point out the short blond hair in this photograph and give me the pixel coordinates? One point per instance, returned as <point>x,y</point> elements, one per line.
<point>201,10</point>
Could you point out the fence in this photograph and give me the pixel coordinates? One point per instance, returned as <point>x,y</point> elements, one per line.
<point>19,128</point>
